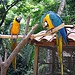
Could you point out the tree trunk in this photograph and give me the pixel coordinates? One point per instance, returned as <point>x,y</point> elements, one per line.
<point>3,69</point>
<point>61,7</point>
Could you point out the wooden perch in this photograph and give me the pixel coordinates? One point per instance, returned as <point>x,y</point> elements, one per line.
<point>9,36</point>
<point>49,32</point>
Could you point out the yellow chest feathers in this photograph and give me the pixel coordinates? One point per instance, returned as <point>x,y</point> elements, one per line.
<point>15,29</point>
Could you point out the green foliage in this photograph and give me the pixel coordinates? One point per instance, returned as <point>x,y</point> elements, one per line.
<point>68,14</point>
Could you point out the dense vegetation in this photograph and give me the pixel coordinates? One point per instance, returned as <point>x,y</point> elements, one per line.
<point>11,8</point>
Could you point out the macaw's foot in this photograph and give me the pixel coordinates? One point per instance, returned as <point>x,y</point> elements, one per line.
<point>49,30</point>
<point>11,37</point>
<point>17,36</point>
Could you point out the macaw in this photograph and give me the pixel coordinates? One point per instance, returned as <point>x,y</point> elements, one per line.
<point>14,30</point>
<point>51,20</point>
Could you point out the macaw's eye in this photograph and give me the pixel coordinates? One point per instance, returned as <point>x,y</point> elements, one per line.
<point>18,19</point>
<point>45,24</point>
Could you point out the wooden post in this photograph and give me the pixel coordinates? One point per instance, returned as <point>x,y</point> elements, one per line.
<point>36,61</point>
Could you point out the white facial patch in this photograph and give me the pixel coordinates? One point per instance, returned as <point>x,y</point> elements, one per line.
<point>45,24</point>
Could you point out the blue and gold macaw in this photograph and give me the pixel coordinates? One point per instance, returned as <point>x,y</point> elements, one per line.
<point>51,20</point>
<point>14,30</point>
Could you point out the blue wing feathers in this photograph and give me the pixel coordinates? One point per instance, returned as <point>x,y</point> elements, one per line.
<point>10,26</point>
<point>56,20</point>
<point>64,34</point>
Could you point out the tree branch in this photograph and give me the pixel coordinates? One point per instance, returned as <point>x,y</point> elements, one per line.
<point>12,4</point>
<point>62,5</point>
<point>0,61</point>
<point>3,18</point>
<point>3,2</point>
<point>27,24</point>
<point>5,55</point>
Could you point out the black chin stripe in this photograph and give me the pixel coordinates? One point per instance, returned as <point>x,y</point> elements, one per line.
<point>47,25</point>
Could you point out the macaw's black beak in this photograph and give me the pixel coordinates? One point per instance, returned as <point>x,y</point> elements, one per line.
<point>45,24</point>
<point>19,19</point>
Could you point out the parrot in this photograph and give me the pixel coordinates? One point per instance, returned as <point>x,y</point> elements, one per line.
<point>51,20</point>
<point>14,30</point>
